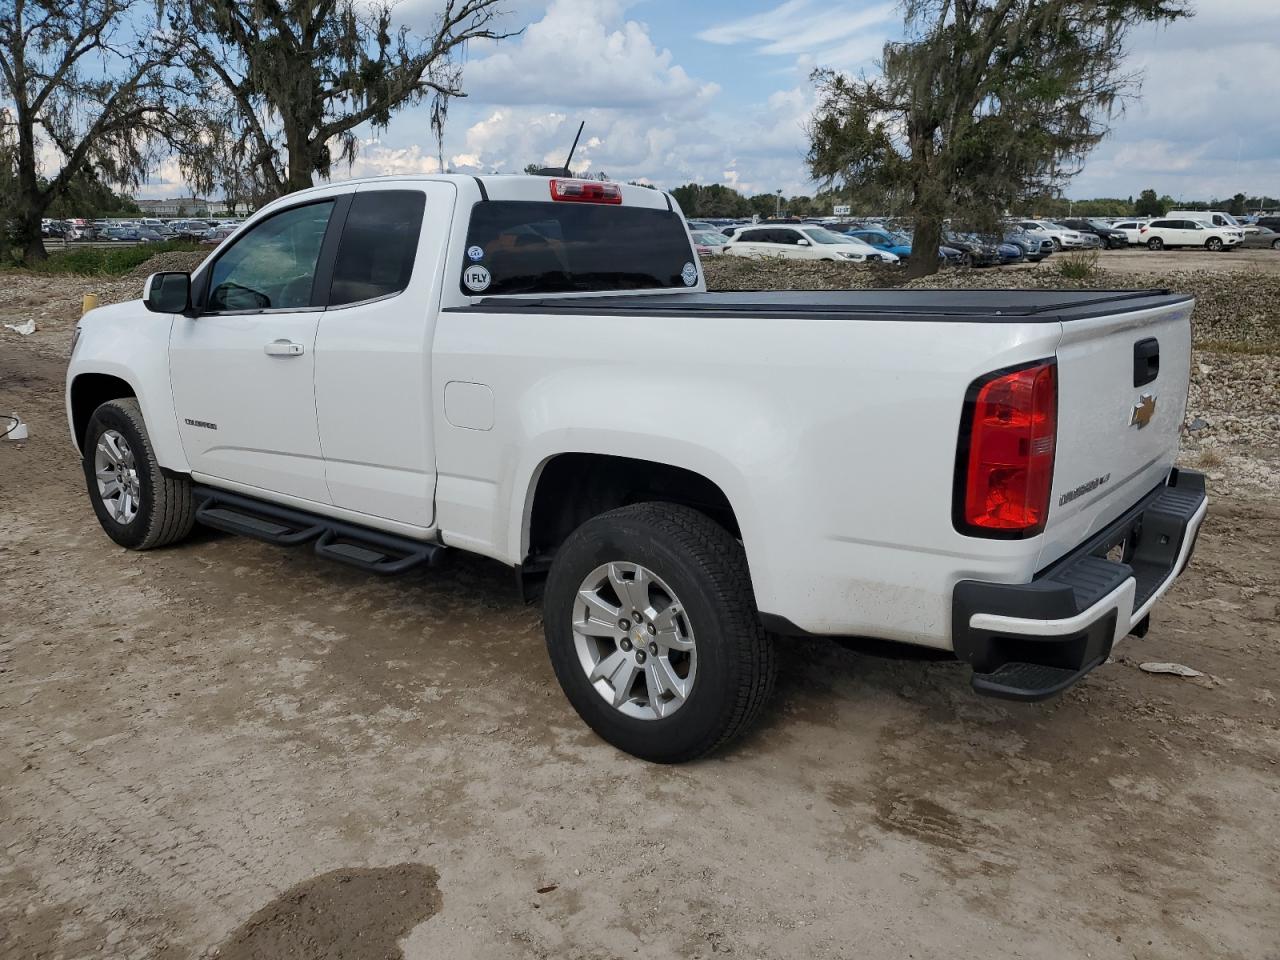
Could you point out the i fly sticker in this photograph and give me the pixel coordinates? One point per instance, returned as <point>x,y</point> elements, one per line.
<point>475,253</point>
<point>476,279</point>
<point>689,274</point>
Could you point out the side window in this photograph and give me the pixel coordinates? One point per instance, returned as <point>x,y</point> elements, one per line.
<point>378,246</point>
<point>790,237</point>
<point>273,265</point>
<point>753,236</point>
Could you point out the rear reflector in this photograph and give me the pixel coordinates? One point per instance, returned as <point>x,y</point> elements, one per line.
<point>1005,462</point>
<point>586,191</point>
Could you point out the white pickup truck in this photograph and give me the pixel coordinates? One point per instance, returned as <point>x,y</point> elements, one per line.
<point>532,370</point>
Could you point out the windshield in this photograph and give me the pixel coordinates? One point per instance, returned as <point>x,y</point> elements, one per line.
<point>819,235</point>
<point>522,246</point>
<point>710,237</point>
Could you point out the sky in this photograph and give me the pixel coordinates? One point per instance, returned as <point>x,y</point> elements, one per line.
<point>718,91</point>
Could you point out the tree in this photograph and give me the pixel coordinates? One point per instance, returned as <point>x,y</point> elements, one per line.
<point>983,104</point>
<point>1149,205</point>
<point>714,200</point>
<point>90,78</point>
<point>302,75</point>
<point>1236,206</point>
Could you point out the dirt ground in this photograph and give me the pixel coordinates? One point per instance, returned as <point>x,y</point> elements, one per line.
<point>228,749</point>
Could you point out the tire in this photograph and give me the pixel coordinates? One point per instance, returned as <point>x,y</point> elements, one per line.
<point>699,571</point>
<point>164,509</point>
<point>1275,244</point>
<point>1213,245</point>
<point>1057,244</point>
<point>1155,243</point>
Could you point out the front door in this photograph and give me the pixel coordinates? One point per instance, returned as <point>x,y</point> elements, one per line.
<point>242,370</point>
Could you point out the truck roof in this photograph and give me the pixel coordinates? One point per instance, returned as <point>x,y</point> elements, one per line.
<point>985,306</point>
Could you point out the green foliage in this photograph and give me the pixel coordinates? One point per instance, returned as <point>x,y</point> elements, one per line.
<point>1078,265</point>
<point>1149,205</point>
<point>316,70</point>
<point>106,261</point>
<point>985,105</point>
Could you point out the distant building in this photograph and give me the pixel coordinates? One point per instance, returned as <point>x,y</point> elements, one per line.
<point>182,207</point>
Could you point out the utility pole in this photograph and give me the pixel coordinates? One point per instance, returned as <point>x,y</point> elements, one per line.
<point>777,213</point>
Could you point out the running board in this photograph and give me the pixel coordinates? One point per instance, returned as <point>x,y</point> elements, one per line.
<point>371,550</point>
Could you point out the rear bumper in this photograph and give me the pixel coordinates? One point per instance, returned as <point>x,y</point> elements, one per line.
<point>1030,641</point>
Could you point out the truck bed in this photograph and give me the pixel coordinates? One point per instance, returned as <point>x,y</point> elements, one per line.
<point>966,306</point>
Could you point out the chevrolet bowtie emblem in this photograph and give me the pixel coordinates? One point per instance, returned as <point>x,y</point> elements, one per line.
<point>1143,411</point>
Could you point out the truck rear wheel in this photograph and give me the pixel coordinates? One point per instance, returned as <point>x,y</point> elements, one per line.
<point>139,505</point>
<point>653,632</point>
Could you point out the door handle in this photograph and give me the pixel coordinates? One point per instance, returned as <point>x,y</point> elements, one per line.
<point>283,348</point>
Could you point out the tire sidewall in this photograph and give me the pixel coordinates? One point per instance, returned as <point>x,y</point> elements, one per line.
<point>110,417</point>
<point>1155,243</point>
<point>697,722</point>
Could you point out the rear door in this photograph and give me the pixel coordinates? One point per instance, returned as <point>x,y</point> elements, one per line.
<point>373,351</point>
<point>1122,392</point>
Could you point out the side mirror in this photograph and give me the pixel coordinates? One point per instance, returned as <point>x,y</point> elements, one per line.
<point>802,242</point>
<point>168,293</point>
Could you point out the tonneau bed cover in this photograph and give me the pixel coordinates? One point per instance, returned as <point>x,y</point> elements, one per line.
<point>985,306</point>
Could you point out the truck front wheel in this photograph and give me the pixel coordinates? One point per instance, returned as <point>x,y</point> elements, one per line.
<point>139,505</point>
<point>653,632</point>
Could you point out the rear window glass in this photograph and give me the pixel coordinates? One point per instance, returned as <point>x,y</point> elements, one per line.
<point>520,246</point>
<point>379,243</point>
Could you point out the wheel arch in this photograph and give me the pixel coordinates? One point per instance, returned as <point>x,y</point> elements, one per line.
<point>87,392</point>
<point>569,487</point>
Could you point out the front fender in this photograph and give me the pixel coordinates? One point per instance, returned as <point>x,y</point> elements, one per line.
<point>130,343</point>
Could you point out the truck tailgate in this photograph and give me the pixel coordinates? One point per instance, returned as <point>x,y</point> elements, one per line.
<point>1122,392</point>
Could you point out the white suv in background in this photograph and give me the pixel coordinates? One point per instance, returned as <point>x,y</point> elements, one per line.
<point>1062,237</point>
<point>804,242</point>
<point>1179,232</point>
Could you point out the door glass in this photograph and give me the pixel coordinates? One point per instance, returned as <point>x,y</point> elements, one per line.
<point>379,243</point>
<point>272,266</point>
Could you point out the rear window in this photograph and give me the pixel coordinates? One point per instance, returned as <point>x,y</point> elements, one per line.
<point>521,246</point>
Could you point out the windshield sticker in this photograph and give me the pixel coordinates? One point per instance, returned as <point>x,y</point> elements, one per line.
<point>475,253</point>
<point>476,279</point>
<point>689,274</point>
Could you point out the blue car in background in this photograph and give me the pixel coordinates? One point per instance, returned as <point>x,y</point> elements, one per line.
<point>883,240</point>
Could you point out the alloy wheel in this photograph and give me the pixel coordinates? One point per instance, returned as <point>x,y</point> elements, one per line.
<point>116,472</point>
<point>634,640</point>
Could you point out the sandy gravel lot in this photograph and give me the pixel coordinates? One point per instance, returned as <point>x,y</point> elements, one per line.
<point>228,749</point>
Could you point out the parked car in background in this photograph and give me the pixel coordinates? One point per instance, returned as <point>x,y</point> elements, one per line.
<point>1034,247</point>
<point>899,244</point>
<point>951,257</point>
<point>1270,222</point>
<point>1062,237</point>
<point>1010,253</point>
<point>216,235</point>
<point>977,252</point>
<point>1132,230</point>
<point>803,242</point>
<point>1210,218</point>
<point>1261,239</point>
<point>703,225</point>
<point>1168,232</point>
<point>1110,237</point>
<point>709,242</point>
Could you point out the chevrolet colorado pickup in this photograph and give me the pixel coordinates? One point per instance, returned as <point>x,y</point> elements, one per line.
<point>531,369</point>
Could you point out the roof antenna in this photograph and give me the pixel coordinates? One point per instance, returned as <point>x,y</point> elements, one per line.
<point>567,171</point>
<point>563,171</point>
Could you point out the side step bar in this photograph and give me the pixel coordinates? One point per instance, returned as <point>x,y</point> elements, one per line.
<point>371,550</point>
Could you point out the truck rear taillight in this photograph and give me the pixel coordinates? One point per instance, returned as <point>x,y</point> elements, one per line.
<point>586,191</point>
<point>1004,466</point>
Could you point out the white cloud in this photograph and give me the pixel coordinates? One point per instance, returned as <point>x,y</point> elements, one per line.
<point>584,53</point>
<point>825,33</point>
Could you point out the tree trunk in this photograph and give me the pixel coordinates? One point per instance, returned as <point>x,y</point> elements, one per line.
<point>298,144</point>
<point>31,202</point>
<point>924,245</point>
